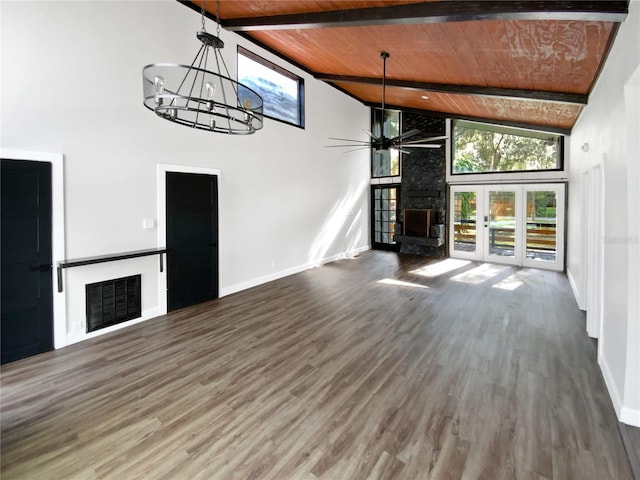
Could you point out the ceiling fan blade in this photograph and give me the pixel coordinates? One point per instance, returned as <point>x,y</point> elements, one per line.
<point>364,142</point>
<point>404,145</point>
<point>364,145</point>
<point>428,139</point>
<point>371,135</point>
<point>356,149</point>
<point>408,134</point>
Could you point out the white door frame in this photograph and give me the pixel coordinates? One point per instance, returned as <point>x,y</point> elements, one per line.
<point>481,252</point>
<point>594,245</point>
<point>57,237</point>
<point>163,168</point>
<point>486,234</point>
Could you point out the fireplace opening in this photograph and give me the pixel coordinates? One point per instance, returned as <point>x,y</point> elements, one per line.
<point>113,301</point>
<point>418,221</point>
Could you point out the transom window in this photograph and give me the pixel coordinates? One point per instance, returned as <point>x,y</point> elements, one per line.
<point>282,91</point>
<point>484,148</point>
<point>385,163</point>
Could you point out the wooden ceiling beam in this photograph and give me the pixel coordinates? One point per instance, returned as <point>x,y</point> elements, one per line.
<point>508,123</point>
<point>438,12</point>
<point>474,90</point>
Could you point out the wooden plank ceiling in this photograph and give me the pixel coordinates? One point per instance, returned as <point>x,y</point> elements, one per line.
<point>528,63</point>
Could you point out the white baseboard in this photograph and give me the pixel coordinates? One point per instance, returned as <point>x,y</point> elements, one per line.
<point>630,416</point>
<point>616,398</point>
<point>238,287</point>
<point>79,336</point>
<point>576,291</point>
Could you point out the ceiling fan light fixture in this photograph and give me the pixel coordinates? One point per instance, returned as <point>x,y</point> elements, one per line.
<point>199,97</point>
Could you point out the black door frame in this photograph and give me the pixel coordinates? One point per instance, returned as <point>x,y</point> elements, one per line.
<point>378,245</point>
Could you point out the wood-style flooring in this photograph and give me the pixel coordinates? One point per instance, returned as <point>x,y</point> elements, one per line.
<point>385,366</point>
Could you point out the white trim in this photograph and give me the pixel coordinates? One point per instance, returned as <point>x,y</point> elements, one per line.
<point>560,189</point>
<point>630,416</point>
<point>593,228</point>
<point>575,290</point>
<point>616,398</point>
<point>289,271</point>
<point>163,168</point>
<point>537,176</point>
<point>57,238</point>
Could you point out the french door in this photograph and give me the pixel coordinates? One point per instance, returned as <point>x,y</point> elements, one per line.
<point>511,224</point>
<point>385,200</point>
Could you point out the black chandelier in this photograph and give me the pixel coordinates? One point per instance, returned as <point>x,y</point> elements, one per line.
<point>200,98</point>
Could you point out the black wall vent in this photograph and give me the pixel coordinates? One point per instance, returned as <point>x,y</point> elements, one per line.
<point>113,301</point>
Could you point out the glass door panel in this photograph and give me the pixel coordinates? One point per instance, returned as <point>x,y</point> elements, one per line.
<point>385,214</point>
<point>541,226</point>
<point>501,224</point>
<point>464,221</point>
<point>465,231</point>
<point>544,226</point>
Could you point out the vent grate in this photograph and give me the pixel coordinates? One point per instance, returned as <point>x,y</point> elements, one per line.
<point>113,301</point>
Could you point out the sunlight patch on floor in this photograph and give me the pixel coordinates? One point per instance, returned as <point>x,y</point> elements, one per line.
<point>479,274</point>
<point>399,283</point>
<point>440,268</point>
<point>510,283</point>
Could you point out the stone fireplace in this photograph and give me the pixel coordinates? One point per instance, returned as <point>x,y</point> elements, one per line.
<point>423,202</point>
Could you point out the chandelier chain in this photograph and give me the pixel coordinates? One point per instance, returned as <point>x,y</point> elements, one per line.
<point>218,18</point>
<point>202,12</point>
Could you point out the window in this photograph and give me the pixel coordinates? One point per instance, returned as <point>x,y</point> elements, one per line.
<point>385,163</point>
<point>482,148</point>
<point>282,92</point>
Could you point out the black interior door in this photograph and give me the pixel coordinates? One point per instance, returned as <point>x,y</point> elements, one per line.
<point>192,239</point>
<point>26,295</point>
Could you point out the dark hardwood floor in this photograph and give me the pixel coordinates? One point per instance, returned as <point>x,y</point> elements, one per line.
<point>384,366</point>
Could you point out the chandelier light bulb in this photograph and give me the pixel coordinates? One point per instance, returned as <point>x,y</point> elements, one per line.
<point>210,87</point>
<point>211,90</point>
<point>159,82</point>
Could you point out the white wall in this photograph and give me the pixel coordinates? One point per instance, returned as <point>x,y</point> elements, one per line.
<point>609,125</point>
<point>72,84</point>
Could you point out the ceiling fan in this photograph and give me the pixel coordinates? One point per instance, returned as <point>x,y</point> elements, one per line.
<point>382,143</point>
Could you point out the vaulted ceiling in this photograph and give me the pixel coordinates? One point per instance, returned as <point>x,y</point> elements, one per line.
<point>523,63</point>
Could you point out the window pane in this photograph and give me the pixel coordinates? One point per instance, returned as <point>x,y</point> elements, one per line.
<point>385,214</point>
<point>279,90</point>
<point>480,148</point>
<point>464,221</point>
<point>386,164</point>
<point>502,223</point>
